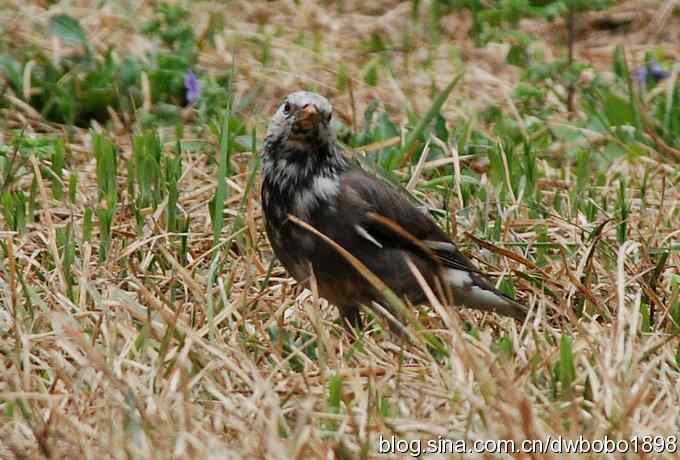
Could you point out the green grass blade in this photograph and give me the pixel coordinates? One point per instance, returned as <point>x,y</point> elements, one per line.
<point>412,139</point>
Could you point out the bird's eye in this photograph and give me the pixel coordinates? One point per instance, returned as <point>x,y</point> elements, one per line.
<point>286,108</point>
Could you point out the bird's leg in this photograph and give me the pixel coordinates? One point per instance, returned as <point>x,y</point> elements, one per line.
<point>350,317</point>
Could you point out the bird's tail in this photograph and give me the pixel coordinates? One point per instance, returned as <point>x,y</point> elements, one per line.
<point>472,290</point>
<point>511,308</point>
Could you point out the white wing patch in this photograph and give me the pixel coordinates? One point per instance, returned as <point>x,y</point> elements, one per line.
<point>440,245</point>
<point>458,278</point>
<point>364,233</point>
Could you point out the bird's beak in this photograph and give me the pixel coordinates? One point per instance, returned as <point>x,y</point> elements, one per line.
<point>309,116</point>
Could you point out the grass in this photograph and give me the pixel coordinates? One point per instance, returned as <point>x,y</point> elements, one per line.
<point>143,316</point>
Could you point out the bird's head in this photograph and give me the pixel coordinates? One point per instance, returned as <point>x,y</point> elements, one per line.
<point>302,123</point>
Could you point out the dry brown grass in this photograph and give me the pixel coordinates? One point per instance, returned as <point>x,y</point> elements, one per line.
<point>129,373</point>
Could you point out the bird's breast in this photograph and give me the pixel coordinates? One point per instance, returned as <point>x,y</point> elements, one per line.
<point>313,200</point>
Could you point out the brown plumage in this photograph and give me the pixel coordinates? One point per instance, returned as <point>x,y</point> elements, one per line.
<point>305,175</point>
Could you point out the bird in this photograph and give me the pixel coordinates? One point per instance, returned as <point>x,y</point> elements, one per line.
<point>307,177</point>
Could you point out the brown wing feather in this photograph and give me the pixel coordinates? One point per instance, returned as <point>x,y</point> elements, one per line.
<point>389,219</point>
<point>396,222</point>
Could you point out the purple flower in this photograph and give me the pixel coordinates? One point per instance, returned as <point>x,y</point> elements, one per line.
<point>655,70</point>
<point>192,85</point>
<point>651,70</point>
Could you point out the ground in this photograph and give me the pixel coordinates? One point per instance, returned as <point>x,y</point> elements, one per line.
<point>131,328</point>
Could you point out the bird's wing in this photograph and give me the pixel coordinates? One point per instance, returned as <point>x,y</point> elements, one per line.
<point>383,215</point>
<point>388,218</point>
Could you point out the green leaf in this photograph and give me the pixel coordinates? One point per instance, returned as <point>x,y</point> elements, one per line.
<point>371,74</point>
<point>222,172</point>
<point>583,169</point>
<point>73,187</point>
<point>566,366</point>
<point>427,119</point>
<point>675,310</point>
<point>384,407</point>
<point>67,28</point>
<point>518,56</point>
<point>87,224</point>
<point>57,170</point>
<point>335,393</point>
<point>505,347</point>
<point>646,326</point>
<point>618,110</point>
